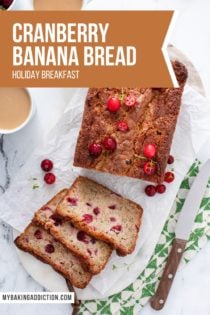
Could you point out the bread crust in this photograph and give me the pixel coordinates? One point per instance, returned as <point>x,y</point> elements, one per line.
<point>121,250</point>
<point>152,120</point>
<point>19,242</point>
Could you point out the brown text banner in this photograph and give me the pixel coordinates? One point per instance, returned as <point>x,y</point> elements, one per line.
<point>85,49</point>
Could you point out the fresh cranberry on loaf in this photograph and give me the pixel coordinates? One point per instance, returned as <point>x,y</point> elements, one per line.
<point>119,123</point>
<point>103,214</point>
<point>93,253</point>
<point>38,242</point>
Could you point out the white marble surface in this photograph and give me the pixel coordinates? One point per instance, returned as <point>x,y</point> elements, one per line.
<point>190,292</point>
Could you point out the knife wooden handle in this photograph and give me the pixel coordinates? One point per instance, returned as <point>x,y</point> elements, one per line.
<point>158,300</point>
<point>76,304</point>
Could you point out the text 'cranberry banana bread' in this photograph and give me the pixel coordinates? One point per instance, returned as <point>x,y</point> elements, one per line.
<point>102,214</point>
<point>94,253</point>
<point>42,245</point>
<point>118,123</point>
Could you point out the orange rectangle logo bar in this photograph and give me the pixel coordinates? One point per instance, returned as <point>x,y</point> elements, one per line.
<point>84,48</point>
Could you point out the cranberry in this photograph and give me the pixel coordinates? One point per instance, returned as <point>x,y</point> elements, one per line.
<point>26,239</point>
<point>96,210</point>
<point>149,168</point>
<point>47,165</point>
<point>150,190</point>
<point>89,252</point>
<point>112,219</point>
<point>113,207</point>
<point>116,228</point>
<point>95,149</point>
<point>72,201</point>
<point>57,220</point>
<point>49,178</point>
<point>6,3</point>
<point>169,177</point>
<point>122,126</point>
<point>113,104</point>
<point>38,234</point>
<point>161,188</point>
<point>170,159</point>
<point>88,218</point>
<point>82,237</point>
<point>109,143</point>
<point>49,248</point>
<point>149,151</point>
<point>93,240</point>
<point>130,100</point>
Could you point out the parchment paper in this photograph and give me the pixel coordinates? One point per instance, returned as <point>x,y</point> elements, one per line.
<point>18,204</point>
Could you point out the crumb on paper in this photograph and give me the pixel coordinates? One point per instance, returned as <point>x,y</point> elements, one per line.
<point>35,186</point>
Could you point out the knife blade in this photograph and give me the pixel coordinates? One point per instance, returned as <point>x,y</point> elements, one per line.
<point>182,232</point>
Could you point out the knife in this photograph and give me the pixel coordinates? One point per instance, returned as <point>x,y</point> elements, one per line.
<point>182,232</point>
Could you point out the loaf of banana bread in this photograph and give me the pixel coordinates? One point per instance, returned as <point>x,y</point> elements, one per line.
<point>119,123</point>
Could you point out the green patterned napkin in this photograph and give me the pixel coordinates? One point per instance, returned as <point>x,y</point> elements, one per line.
<point>131,299</point>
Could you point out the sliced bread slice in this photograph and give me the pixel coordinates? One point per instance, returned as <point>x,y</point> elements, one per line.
<point>94,253</point>
<point>103,214</point>
<point>41,244</point>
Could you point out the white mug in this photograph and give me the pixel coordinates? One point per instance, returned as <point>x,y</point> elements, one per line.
<point>27,120</point>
